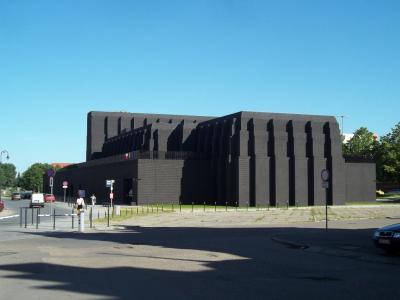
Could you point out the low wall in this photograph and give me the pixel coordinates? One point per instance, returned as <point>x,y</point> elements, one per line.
<point>360,182</point>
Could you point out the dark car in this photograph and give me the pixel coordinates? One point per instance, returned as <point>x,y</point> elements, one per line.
<point>26,195</point>
<point>388,238</point>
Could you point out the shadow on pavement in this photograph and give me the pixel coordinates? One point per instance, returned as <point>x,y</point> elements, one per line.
<point>259,268</point>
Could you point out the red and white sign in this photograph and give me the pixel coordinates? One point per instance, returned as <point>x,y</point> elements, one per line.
<point>65,184</point>
<point>111,195</point>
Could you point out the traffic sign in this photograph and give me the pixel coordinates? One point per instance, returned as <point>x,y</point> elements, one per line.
<point>109,182</point>
<point>51,172</point>
<point>51,181</point>
<point>325,175</point>
<point>65,183</point>
<point>111,196</point>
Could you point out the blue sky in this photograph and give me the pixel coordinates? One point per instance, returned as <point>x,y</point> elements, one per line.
<point>62,59</point>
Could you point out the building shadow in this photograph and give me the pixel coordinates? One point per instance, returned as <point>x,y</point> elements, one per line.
<point>255,267</point>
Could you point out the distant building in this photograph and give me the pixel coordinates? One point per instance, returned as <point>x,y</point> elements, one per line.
<point>347,137</point>
<point>60,165</point>
<point>246,158</point>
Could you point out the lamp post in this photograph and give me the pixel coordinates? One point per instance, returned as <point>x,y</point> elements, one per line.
<point>1,161</point>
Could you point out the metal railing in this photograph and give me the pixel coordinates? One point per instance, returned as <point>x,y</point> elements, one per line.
<point>135,155</point>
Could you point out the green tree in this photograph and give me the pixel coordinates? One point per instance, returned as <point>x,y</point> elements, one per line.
<point>32,178</point>
<point>388,156</point>
<point>362,145</point>
<point>7,175</point>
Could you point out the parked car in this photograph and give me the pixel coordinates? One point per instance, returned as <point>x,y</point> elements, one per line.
<point>49,198</point>
<point>388,238</point>
<point>37,200</point>
<point>1,205</point>
<point>16,196</point>
<point>26,195</point>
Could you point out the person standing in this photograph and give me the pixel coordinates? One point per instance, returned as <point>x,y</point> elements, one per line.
<point>80,205</point>
<point>93,198</point>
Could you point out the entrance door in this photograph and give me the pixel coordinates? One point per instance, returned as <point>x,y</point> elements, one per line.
<point>128,191</point>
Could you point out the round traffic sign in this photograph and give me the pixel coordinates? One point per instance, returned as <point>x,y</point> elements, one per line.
<point>325,175</point>
<point>65,183</point>
<point>51,172</point>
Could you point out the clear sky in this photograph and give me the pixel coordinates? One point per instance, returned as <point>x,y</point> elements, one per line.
<point>62,59</point>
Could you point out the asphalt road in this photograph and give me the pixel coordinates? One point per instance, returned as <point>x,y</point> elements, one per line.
<point>10,221</point>
<point>201,263</point>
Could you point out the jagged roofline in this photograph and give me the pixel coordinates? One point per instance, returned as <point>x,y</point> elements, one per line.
<point>244,114</point>
<point>106,113</point>
<point>287,116</point>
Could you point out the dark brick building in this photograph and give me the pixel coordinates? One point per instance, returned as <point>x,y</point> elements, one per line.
<point>243,158</point>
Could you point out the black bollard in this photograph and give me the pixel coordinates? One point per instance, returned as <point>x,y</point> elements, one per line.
<point>37,219</point>
<point>91,217</point>
<point>108,217</point>
<point>54,219</point>
<point>72,218</point>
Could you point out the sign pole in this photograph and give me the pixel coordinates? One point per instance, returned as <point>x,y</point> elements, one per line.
<point>51,192</point>
<point>65,186</point>
<point>110,184</point>
<point>111,193</point>
<point>325,184</point>
<point>51,173</point>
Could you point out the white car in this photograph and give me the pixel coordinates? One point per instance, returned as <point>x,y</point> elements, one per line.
<point>37,200</point>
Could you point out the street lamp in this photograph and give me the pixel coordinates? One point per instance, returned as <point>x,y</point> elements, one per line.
<point>1,161</point>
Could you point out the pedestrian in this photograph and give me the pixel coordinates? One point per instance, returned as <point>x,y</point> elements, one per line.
<point>93,198</point>
<point>80,205</point>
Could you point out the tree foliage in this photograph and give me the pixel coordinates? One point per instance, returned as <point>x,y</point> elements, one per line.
<point>32,178</point>
<point>7,175</point>
<point>386,152</point>
<point>361,145</point>
<point>388,156</point>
